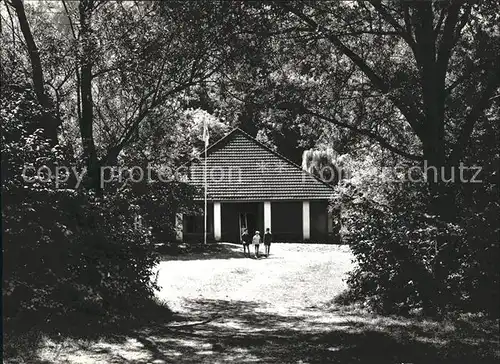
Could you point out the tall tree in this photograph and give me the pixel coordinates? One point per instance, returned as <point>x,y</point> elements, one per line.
<point>128,64</point>
<point>432,62</point>
<point>50,123</point>
<point>85,62</point>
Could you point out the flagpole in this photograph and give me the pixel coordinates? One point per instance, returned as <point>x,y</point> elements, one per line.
<point>205,176</point>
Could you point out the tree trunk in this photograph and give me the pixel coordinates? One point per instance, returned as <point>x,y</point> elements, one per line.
<point>86,121</point>
<point>50,123</point>
<point>442,183</point>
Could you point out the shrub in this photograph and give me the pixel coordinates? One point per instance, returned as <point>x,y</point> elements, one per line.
<point>67,250</point>
<point>409,260</point>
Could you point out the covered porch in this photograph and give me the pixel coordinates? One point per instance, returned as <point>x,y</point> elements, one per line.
<point>289,221</point>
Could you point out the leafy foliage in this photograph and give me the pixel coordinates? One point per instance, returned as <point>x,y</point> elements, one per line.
<point>408,260</point>
<point>66,250</point>
<point>379,83</point>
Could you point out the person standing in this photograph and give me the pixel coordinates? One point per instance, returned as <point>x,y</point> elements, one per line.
<point>256,243</point>
<point>268,237</point>
<point>245,240</point>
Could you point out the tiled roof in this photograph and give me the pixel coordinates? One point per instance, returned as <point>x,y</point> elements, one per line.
<point>239,168</point>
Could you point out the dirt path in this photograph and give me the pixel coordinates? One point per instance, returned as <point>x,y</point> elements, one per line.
<point>293,276</point>
<point>274,310</point>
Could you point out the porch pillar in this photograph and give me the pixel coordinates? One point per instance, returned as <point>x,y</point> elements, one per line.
<point>179,227</point>
<point>267,215</point>
<point>217,221</point>
<point>306,221</point>
<point>330,222</point>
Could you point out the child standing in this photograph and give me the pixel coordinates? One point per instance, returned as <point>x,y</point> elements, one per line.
<point>268,237</point>
<point>245,240</point>
<point>256,243</point>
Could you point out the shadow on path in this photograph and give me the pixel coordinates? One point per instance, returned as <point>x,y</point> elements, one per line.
<point>244,332</point>
<point>210,251</point>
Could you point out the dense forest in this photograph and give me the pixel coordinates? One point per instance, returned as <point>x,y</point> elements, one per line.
<point>403,97</point>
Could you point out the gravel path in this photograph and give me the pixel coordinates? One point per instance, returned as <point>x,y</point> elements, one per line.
<point>275,310</point>
<point>292,276</point>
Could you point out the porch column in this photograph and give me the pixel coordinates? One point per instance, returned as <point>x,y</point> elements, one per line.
<point>330,222</point>
<point>217,221</point>
<point>267,215</point>
<point>306,221</point>
<point>179,227</point>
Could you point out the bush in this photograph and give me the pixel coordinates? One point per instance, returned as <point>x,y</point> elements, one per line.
<point>408,260</point>
<point>67,250</point>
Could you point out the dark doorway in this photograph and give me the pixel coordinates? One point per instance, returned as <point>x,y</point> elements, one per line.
<point>237,216</point>
<point>248,221</point>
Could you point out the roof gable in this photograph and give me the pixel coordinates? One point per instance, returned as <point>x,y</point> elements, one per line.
<point>239,168</point>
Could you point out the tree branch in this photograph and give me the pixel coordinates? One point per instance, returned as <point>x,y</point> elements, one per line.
<point>407,19</point>
<point>407,109</point>
<point>34,55</point>
<point>77,68</point>
<point>382,141</point>
<point>51,124</point>
<point>470,68</point>
<point>11,23</point>
<point>484,101</point>
<point>279,32</point>
<point>439,23</point>
<point>448,39</point>
<point>375,32</point>
<point>105,70</point>
<point>115,150</point>
<point>314,26</point>
<point>381,9</point>
<point>69,19</point>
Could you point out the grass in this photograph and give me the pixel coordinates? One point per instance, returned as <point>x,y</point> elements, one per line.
<point>229,308</point>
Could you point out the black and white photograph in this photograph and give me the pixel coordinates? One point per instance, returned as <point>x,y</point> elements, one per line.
<point>250,181</point>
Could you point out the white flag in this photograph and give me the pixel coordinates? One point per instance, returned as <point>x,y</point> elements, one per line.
<point>206,135</point>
